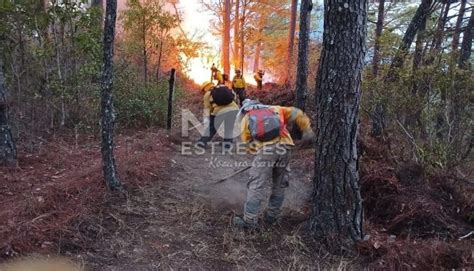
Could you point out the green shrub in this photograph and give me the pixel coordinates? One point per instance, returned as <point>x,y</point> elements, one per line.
<point>138,104</point>
<point>430,110</point>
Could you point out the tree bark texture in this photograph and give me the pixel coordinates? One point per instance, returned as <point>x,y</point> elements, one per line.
<point>378,35</point>
<point>107,107</point>
<point>291,39</point>
<point>466,45</point>
<point>226,37</point>
<point>457,28</point>
<point>235,54</point>
<point>7,144</point>
<point>302,66</point>
<point>337,203</point>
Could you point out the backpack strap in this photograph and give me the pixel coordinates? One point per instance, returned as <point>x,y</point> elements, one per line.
<point>282,121</point>
<point>282,116</point>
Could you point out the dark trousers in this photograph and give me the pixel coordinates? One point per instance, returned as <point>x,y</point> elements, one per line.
<point>241,93</point>
<point>259,84</point>
<point>228,118</point>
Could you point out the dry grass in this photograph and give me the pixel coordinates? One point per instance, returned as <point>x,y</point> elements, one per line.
<point>55,203</point>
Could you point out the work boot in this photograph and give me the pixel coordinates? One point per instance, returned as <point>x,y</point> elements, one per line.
<point>270,219</point>
<point>202,142</point>
<point>240,223</point>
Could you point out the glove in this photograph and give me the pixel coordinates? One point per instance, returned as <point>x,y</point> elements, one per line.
<point>308,138</point>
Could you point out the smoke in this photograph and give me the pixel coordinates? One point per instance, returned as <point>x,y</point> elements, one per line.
<point>231,194</point>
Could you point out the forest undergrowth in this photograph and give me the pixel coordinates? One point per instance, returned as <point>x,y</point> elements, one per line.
<point>55,202</point>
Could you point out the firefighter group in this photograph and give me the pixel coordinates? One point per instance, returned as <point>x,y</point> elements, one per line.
<point>265,134</point>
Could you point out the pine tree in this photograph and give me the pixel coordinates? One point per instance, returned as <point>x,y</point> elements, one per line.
<point>378,35</point>
<point>291,38</point>
<point>7,144</point>
<point>466,46</point>
<point>226,37</point>
<point>337,202</point>
<point>107,106</point>
<point>235,53</point>
<point>302,69</point>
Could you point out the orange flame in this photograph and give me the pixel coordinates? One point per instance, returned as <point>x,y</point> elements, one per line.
<point>197,20</point>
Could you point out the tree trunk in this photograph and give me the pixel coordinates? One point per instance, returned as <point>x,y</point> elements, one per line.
<point>337,204</point>
<point>170,99</point>
<point>59,71</point>
<point>242,37</point>
<point>378,35</point>
<point>256,62</point>
<point>7,144</point>
<point>438,37</point>
<point>457,29</point>
<point>291,39</point>
<point>302,69</point>
<point>466,45</point>
<point>418,86</point>
<point>458,100</point>
<point>145,54</point>
<point>107,106</point>
<point>418,55</point>
<point>226,37</point>
<point>421,14</point>
<point>235,54</point>
<point>160,54</point>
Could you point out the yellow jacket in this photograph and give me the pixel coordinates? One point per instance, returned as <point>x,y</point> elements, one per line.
<point>290,115</point>
<point>257,77</point>
<point>238,82</point>
<point>218,76</point>
<point>213,109</point>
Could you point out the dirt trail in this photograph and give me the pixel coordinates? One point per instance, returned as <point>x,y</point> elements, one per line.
<point>195,173</point>
<point>183,222</point>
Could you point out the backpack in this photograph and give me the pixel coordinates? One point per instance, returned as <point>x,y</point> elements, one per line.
<point>222,95</point>
<point>265,124</point>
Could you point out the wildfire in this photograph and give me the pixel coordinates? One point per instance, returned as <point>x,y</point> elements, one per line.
<point>198,21</point>
<point>198,70</point>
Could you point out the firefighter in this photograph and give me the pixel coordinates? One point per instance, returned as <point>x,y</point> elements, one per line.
<point>258,76</point>
<point>271,145</point>
<point>239,85</point>
<point>219,107</point>
<point>217,75</point>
